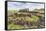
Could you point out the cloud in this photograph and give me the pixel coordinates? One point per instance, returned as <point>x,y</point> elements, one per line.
<point>19,5</point>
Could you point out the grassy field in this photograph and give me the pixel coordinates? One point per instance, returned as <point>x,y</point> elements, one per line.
<point>19,21</point>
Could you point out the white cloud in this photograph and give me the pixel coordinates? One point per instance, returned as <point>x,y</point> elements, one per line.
<point>18,5</point>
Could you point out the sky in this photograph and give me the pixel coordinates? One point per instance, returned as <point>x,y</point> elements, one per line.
<point>20,5</point>
<point>29,0</point>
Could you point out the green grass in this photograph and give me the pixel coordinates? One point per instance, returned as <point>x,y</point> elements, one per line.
<point>12,26</point>
<point>32,19</point>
